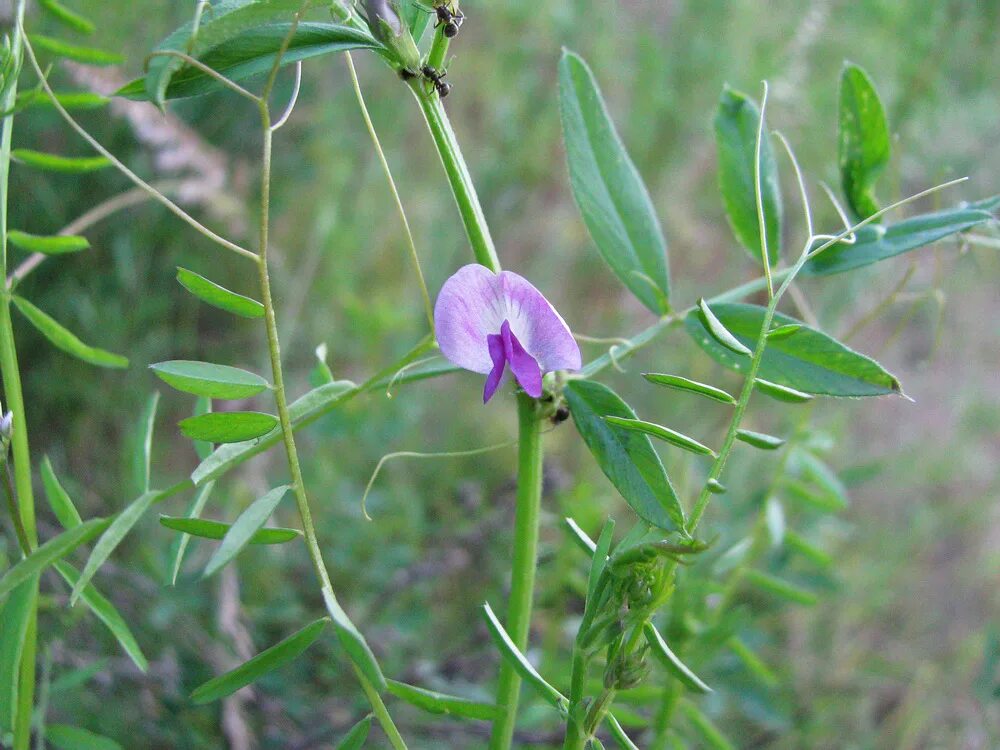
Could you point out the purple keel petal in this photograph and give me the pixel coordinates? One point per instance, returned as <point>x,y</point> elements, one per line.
<point>499,357</point>
<point>536,324</point>
<point>468,309</point>
<point>526,370</point>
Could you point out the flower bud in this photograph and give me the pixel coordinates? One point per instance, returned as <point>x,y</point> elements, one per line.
<point>386,25</point>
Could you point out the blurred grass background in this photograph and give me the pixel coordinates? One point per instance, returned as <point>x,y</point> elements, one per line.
<point>892,657</point>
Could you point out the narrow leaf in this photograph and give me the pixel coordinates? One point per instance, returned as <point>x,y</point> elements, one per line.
<point>253,52</point>
<point>146,439</point>
<point>206,529</point>
<point>609,191</point>
<point>579,536</point>
<point>781,392</point>
<point>520,662</point>
<point>618,733</point>
<point>264,662</point>
<point>759,440</point>
<point>815,470</point>
<point>439,703</point>
<point>63,339</point>
<point>68,18</point>
<point>85,55</point>
<point>736,124</point>
<point>114,531</point>
<point>59,500</point>
<point>105,611</point>
<point>228,426</point>
<point>807,549</point>
<point>810,361</point>
<point>863,147</point>
<point>63,737</point>
<point>246,526</point>
<point>72,100</point>
<point>719,332</point>
<point>670,661</point>
<point>181,543</point>
<point>218,296</point>
<point>211,381</point>
<point>357,648</point>
<point>599,560</point>
<point>875,242</point>
<point>303,411</point>
<point>355,739</point>
<point>781,588</point>
<point>627,458</point>
<point>691,386</point>
<point>15,613</point>
<point>754,664</point>
<point>716,487</point>
<point>56,163</point>
<point>663,433</point>
<point>783,331</point>
<point>774,515</point>
<point>59,244</point>
<point>202,405</point>
<point>54,549</point>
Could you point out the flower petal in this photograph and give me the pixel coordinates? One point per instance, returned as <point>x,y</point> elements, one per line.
<point>537,326</point>
<point>468,309</point>
<point>526,370</point>
<point>499,357</point>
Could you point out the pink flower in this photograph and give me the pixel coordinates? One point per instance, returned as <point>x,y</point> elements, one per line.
<point>486,321</point>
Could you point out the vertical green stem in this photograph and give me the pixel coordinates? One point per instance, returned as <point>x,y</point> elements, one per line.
<point>529,501</point>
<point>14,402</point>
<point>288,438</point>
<point>458,176</point>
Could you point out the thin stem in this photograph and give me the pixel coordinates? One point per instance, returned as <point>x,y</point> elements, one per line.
<point>439,47</point>
<point>287,434</point>
<point>414,257</point>
<point>292,100</point>
<point>529,500</point>
<point>138,181</point>
<point>15,513</point>
<point>758,194</point>
<point>458,176</point>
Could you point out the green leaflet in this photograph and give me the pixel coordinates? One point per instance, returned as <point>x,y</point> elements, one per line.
<point>68,18</point>
<point>627,458</point>
<point>209,380</point>
<point>15,614</point>
<point>63,737</point>
<point>48,245</point>
<point>691,386</point>
<point>808,361</point>
<point>264,662</point>
<point>440,703</point>
<point>180,545</point>
<point>57,163</point>
<point>63,339</point>
<point>736,124</point>
<point>863,145</point>
<point>245,528</point>
<point>671,662</point>
<point>85,55</point>
<point>207,529</point>
<point>253,52</point>
<point>228,426</point>
<point>218,296</point>
<point>876,242</point>
<point>59,500</point>
<point>105,611</point>
<point>520,662</point>
<point>663,433</point>
<point>759,440</point>
<point>608,189</point>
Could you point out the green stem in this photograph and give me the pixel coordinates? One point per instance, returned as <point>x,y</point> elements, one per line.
<point>288,437</point>
<point>575,737</point>
<point>529,500</point>
<point>458,176</point>
<point>14,399</point>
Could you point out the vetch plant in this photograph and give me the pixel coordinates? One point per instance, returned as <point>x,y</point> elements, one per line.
<point>657,599</point>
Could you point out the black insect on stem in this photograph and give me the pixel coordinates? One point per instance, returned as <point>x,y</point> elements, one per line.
<point>436,77</point>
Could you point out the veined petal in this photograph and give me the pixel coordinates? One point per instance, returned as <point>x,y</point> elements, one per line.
<point>468,309</point>
<point>525,368</point>
<point>536,324</point>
